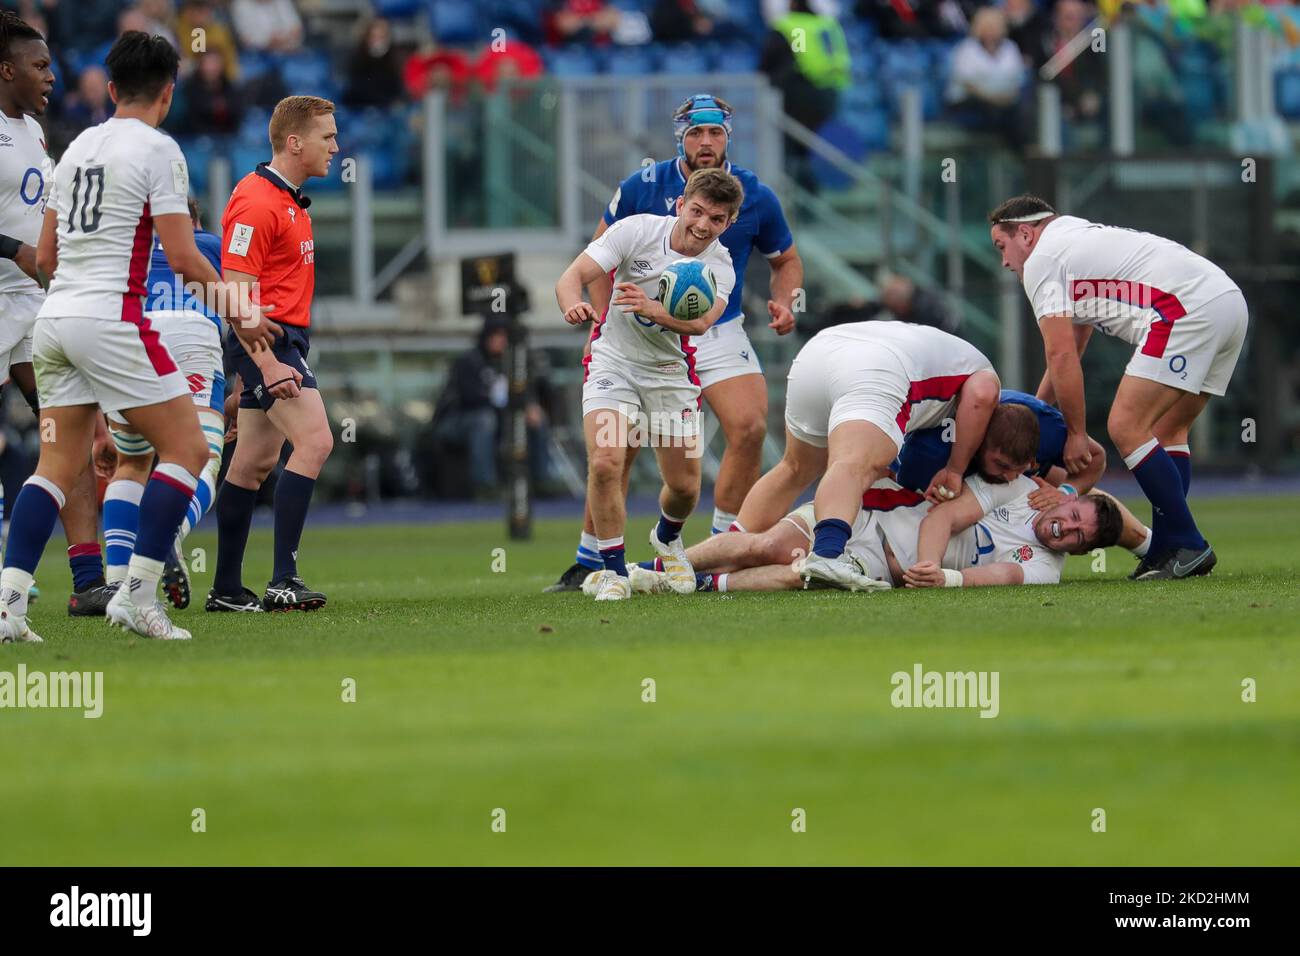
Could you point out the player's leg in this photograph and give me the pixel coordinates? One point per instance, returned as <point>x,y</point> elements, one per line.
<point>79,516</point>
<point>587,558</point>
<point>772,577</point>
<point>679,466</point>
<point>740,404</point>
<point>122,500</point>
<point>1139,404</point>
<point>1173,430</point>
<point>68,431</point>
<point>858,453</point>
<point>775,492</point>
<point>782,543</point>
<point>305,424</point>
<point>255,454</point>
<point>607,432</point>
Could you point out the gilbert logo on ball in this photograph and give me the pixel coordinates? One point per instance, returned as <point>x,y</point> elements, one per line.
<point>687,289</point>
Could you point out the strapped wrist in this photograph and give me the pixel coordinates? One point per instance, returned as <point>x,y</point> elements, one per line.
<point>952,579</point>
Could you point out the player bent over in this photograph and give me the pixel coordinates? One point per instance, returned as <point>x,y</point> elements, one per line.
<point>1187,322</point>
<point>192,334</point>
<point>854,392</point>
<point>116,183</point>
<point>642,367</point>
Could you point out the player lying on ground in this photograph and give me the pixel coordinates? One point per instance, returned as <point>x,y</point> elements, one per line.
<point>192,334</point>
<point>854,392</point>
<point>985,541</point>
<point>1185,318</point>
<point>26,173</point>
<point>731,379</point>
<point>92,348</point>
<point>641,376</point>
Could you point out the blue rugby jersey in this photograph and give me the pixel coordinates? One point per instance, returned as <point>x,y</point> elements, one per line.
<point>166,291</point>
<point>761,224</point>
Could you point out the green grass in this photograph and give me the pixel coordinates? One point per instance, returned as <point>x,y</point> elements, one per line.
<point>475,692</point>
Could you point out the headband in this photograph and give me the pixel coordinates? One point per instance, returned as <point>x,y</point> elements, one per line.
<point>1032,217</point>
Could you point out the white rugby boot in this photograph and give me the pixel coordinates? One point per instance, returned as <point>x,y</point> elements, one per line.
<point>612,586</point>
<point>14,630</point>
<point>645,581</point>
<point>151,621</point>
<point>677,567</point>
<point>845,573</point>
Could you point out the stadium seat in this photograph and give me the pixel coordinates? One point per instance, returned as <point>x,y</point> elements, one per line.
<point>572,61</point>
<point>199,152</point>
<point>632,60</point>
<point>244,158</point>
<point>252,64</point>
<point>737,58</point>
<point>684,58</point>
<point>455,21</point>
<point>252,129</point>
<point>520,17</point>
<point>848,141</point>
<point>309,71</point>
<point>397,9</point>
<point>1287,92</point>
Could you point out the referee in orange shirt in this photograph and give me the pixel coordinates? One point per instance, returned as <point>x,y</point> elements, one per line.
<point>267,240</point>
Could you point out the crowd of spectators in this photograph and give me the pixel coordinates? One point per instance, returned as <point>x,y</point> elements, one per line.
<point>829,57</point>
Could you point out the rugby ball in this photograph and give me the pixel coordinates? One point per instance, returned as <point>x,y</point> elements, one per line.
<point>687,289</point>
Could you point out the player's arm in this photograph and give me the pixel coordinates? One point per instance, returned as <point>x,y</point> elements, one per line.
<point>1045,391</point>
<point>992,575</point>
<point>787,279</point>
<point>582,271</point>
<point>281,380</point>
<point>600,289</point>
<point>630,296</point>
<point>975,403</point>
<point>1066,374</point>
<point>940,524</point>
<point>20,253</point>
<point>47,248</point>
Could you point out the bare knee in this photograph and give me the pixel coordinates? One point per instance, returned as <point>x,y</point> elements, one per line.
<point>771,547</point>
<point>747,434</point>
<point>315,448</point>
<point>606,466</point>
<point>133,468</point>
<point>1126,433</point>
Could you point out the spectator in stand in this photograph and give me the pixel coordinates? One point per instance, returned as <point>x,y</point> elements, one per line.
<point>159,14</point>
<point>217,38</point>
<point>677,21</point>
<point>916,19</point>
<point>807,58</point>
<point>580,21</point>
<point>1081,83</point>
<point>512,60</point>
<point>82,24</point>
<point>375,70</point>
<point>1027,28</point>
<point>437,68</point>
<point>267,25</point>
<point>89,105</point>
<point>985,79</point>
<point>212,104</point>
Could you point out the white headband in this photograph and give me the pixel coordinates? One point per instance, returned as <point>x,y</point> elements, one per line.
<point>1032,217</point>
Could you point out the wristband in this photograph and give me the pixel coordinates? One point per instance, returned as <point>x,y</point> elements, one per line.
<point>9,247</point>
<point>951,579</point>
<point>1069,489</point>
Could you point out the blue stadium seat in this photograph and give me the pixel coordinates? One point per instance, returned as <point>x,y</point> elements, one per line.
<point>684,58</point>
<point>455,21</point>
<point>633,60</point>
<point>244,158</point>
<point>1286,89</point>
<point>199,152</point>
<point>522,18</point>
<point>397,9</point>
<point>252,129</point>
<point>860,34</point>
<point>872,125</point>
<point>253,64</point>
<point>308,71</point>
<point>572,61</point>
<point>849,141</point>
<point>737,58</point>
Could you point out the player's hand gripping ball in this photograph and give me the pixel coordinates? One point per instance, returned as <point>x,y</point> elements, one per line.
<point>687,289</point>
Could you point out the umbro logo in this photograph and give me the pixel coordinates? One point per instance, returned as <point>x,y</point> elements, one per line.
<point>6,139</point>
<point>640,268</point>
<point>604,383</point>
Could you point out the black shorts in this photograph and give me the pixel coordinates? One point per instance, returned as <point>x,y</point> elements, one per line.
<point>291,349</point>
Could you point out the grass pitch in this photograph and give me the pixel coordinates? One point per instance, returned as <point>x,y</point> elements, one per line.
<point>474,692</point>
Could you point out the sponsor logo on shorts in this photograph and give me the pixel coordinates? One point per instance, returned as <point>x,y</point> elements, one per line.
<point>603,383</point>
<point>669,366</point>
<point>197,382</point>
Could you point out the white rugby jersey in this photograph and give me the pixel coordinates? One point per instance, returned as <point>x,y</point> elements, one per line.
<point>937,364</point>
<point>636,249</point>
<point>1120,281</point>
<point>111,182</point>
<point>901,524</point>
<point>25,176</point>
<point>1006,534</point>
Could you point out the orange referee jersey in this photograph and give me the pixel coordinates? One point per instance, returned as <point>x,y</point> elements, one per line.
<point>266,232</point>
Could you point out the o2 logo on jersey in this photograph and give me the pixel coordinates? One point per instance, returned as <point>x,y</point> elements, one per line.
<point>32,192</point>
<point>1178,365</point>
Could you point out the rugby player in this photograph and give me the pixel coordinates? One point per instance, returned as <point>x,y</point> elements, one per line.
<point>268,241</point>
<point>854,392</point>
<point>730,376</point>
<point>93,348</point>
<point>1187,321</point>
<point>192,334</point>
<point>26,172</point>
<point>994,536</point>
<point>641,376</point>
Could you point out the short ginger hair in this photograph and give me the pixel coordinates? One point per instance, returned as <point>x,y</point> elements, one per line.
<point>292,116</point>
